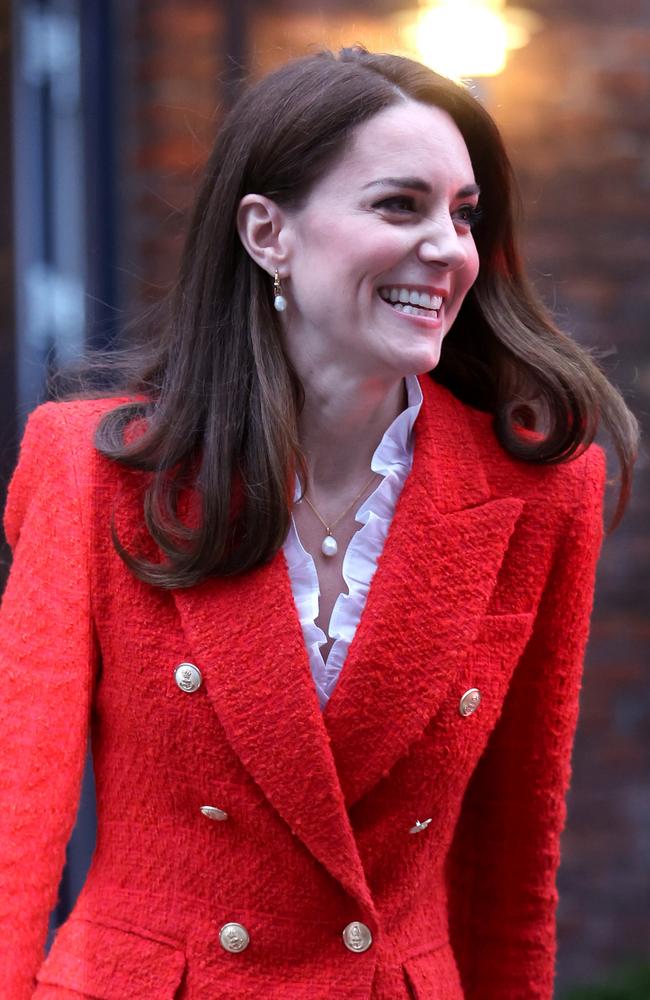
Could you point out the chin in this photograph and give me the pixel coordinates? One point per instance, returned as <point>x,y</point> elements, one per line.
<point>418,362</point>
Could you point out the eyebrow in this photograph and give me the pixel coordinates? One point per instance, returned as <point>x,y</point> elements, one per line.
<point>417,184</point>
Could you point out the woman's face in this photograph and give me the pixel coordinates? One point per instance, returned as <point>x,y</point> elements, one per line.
<point>392,220</point>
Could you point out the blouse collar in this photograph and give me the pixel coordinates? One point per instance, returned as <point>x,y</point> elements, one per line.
<point>395,450</point>
<point>396,446</point>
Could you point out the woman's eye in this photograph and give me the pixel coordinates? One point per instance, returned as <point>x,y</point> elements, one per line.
<point>399,203</point>
<point>469,215</point>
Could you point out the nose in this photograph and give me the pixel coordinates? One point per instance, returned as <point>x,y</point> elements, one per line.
<point>442,246</point>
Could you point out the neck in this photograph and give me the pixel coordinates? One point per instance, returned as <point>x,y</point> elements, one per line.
<point>341,425</point>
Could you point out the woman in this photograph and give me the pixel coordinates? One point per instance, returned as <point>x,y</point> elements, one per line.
<point>310,784</point>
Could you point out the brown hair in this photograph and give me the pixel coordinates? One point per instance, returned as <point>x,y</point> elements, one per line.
<point>221,397</point>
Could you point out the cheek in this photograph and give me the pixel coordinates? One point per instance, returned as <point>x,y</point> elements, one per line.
<point>472,267</point>
<point>466,276</point>
<point>316,268</point>
<point>328,250</point>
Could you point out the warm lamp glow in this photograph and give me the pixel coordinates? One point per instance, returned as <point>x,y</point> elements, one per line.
<point>466,38</point>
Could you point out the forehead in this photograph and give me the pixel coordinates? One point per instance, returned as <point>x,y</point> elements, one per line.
<point>406,139</point>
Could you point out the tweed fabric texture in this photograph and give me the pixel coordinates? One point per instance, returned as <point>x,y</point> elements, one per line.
<point>486,580</point>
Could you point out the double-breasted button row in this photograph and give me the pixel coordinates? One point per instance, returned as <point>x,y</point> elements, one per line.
<point>189,679</point>
<point>234,937</point>
<point>469,702</point>
<point>214,813</point>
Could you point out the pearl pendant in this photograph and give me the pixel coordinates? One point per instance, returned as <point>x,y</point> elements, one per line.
<point>329,546</point>
<point>280,303</point>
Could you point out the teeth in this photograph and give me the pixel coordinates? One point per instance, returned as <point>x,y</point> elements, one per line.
<point>411,297</point>
<point>415,310</point>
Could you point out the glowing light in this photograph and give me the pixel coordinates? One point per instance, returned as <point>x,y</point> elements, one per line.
<point>466,38</point>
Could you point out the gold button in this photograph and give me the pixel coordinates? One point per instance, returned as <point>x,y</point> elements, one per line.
<point>357,937</point>
<point>188,677</point>
<point>234,937</point>
<point>419,826</point>
<point>212,812</point>
<point>470,701</point>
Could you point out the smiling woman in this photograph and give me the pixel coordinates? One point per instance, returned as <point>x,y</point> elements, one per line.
<point>332,535</point>
<point>356,236</point>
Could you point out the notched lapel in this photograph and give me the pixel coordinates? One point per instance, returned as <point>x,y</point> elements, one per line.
<point>433,583</point>
<point>424,610</point>
<point>247,640</point>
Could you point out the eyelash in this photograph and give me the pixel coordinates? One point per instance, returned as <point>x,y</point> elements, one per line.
<point>474,213</point>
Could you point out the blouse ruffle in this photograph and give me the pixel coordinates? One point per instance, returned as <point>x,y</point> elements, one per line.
<point>393,459</point>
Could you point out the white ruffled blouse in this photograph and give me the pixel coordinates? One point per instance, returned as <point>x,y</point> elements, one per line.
<point>392,459</point>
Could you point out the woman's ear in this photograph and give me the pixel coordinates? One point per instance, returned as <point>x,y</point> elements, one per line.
<point>262,228</point>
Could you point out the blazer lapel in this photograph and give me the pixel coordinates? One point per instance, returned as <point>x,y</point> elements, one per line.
<point>247,640</point>
<point>433,583</point>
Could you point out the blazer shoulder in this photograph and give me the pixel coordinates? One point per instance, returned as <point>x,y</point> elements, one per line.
<point>66,429</point>
<point>71,417</point>
<point>561,483</point>
<point>56,457</point>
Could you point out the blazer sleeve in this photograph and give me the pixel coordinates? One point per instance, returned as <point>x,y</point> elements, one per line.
<point>501,873</point>
<point>47,658</point>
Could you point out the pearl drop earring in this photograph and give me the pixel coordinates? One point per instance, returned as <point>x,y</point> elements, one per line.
<point>279,301</point>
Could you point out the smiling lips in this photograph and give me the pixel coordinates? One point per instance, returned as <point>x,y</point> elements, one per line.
<point>412,302</point>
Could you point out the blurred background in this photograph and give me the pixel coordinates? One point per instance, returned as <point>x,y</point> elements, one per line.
<point>107,114</point>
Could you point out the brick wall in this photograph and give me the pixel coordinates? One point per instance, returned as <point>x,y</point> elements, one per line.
<point>171,63</point>
<point>573,108</point>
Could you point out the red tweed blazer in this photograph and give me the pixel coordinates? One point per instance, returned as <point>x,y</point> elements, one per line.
<point>485,582</point>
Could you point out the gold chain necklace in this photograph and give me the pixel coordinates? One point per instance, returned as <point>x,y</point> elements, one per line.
<point>329,546</point>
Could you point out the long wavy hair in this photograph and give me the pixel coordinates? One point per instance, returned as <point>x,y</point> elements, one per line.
<point>213,390</point>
